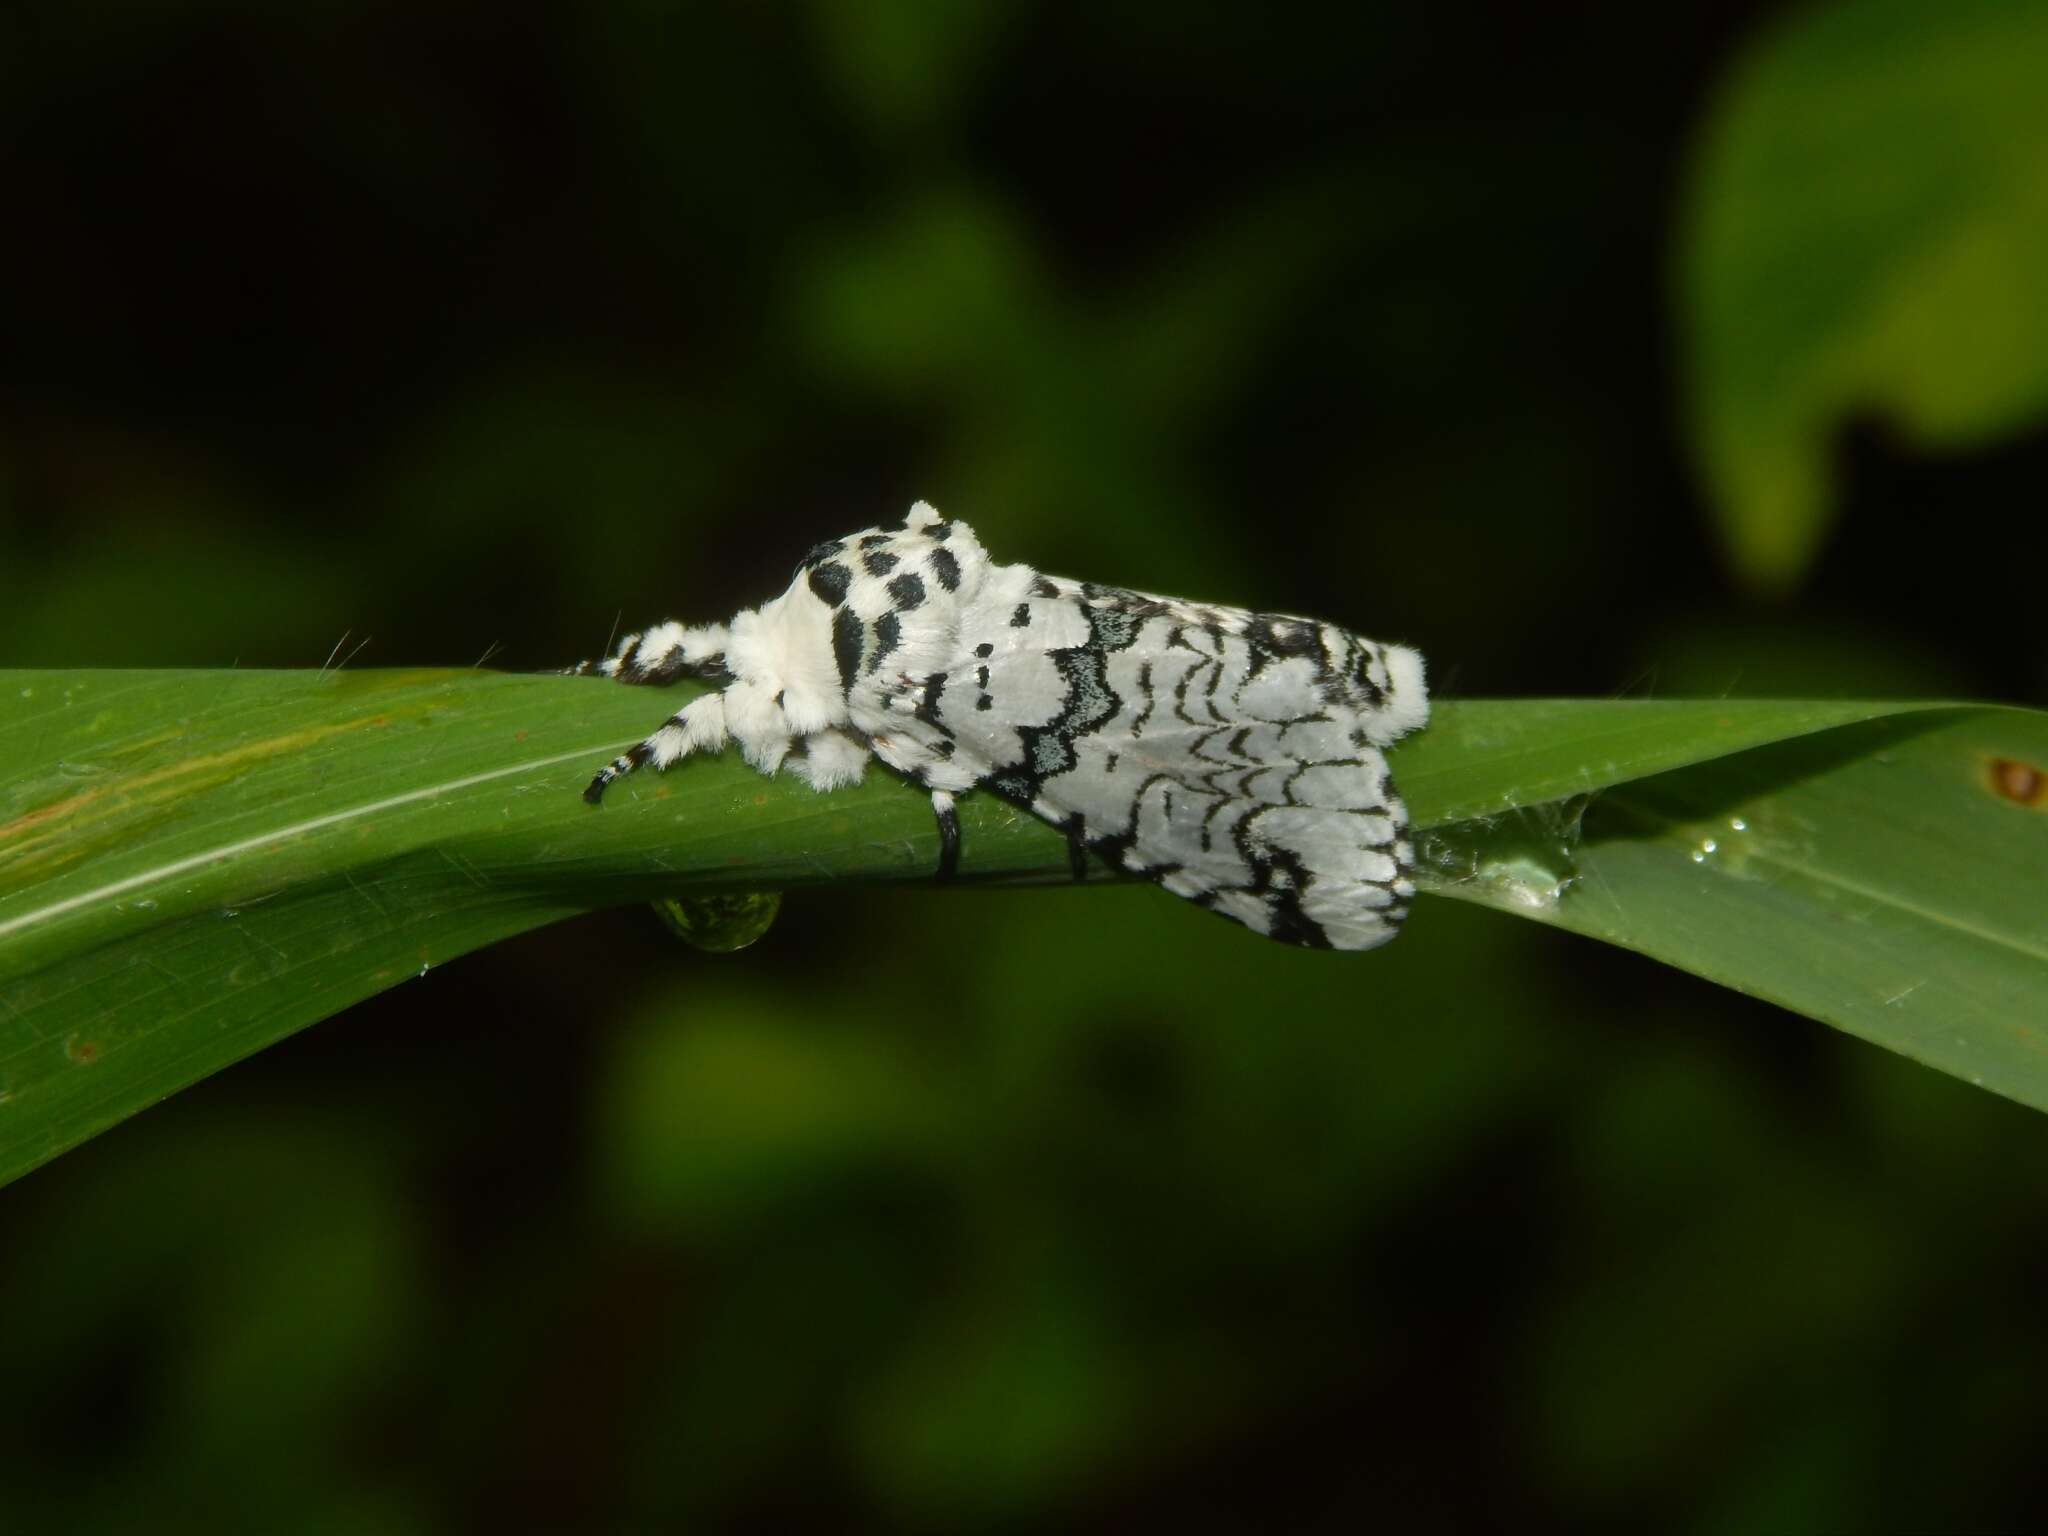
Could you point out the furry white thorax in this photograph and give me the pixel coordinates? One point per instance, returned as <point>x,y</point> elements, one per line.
<point>1234,757</point>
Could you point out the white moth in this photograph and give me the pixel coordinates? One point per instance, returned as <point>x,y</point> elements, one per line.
<point>1233,757</point>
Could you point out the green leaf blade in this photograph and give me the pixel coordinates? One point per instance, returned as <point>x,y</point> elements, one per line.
<point>1499,755</point>
<point>1872,876</point>
<point>194,865</point>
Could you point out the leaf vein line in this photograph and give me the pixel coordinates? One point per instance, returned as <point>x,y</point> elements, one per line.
<point>280,834</point>
<point>1829,879</point>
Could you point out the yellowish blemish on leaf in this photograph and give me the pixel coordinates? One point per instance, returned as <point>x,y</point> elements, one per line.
<point>49,834</point>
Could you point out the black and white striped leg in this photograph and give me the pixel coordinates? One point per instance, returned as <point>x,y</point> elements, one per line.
<point>949,833</point>
<point>617,768</point>
<point>698,726</point>
<point>669,667</point>
<point>663,654</point>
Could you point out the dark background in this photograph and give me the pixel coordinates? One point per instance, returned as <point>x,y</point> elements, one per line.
<point>461,329</point>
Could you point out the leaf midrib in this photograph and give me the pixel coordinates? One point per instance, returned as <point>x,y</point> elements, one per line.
<point>25,920</point>
<point>1621,799</point>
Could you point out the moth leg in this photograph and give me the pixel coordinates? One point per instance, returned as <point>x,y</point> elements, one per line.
<point>663,654</point>
<point>949,833</point>
<point>699,726</point>
<point>927,755</point>
<point>831,758</point>
<point>1077,850</point>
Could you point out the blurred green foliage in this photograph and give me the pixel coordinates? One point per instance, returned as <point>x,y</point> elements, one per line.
<point>1867,231</point>
<point>459,326</point>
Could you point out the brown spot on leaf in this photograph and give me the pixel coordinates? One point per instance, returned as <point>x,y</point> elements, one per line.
<point>82,1051</point>
<point>2022,783</point>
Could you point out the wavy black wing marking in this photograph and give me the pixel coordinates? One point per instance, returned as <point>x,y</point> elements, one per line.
<point>1217,751</point>
<point>1271,831</point>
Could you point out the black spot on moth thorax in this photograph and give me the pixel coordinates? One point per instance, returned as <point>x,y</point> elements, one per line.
<point>820,553</point>
<point>847,643</point>
<point>879,562</point>
<point>907,591</point>
<point>888,633</point>
<point>928,706</point>
<point>945,569</point>
<point>829,582</point>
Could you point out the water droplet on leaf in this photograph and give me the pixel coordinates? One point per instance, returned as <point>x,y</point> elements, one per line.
<point>1527,857</point>
<point>723,923</point>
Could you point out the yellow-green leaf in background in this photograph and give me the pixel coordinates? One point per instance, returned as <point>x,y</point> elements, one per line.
<point>1866,230</point>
